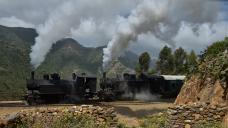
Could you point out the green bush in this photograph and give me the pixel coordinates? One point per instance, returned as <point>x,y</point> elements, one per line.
<point>214,64</point>
<point>216,48</point>
<point>65,121</point>
<point>208,125</point>
<point>155,121</point>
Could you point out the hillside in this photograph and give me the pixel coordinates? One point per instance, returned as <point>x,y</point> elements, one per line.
<point>209,81</point>
<point>14,60</point>
<point>66,56</point>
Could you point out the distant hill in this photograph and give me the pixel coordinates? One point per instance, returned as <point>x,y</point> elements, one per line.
<point>14,60</point>
<point>65,57</point>
<point>68,56</point>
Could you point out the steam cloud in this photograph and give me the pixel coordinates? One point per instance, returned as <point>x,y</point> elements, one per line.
<point>56,26</point>
<point>162,18</point>
<point>69,18</point>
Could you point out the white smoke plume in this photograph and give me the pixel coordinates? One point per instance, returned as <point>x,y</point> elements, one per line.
<point>58,25</point>
<point>67,19</point>
<point>162,18</point>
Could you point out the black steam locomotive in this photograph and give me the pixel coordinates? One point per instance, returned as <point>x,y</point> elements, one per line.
<point>53,89</point>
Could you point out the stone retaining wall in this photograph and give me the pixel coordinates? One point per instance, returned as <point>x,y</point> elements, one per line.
<point>100,114</point>
<point>187,116</point>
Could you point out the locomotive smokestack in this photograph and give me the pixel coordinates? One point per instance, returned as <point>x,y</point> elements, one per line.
<point>33,75</point>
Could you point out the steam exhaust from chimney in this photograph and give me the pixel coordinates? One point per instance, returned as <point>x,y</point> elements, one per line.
<point>162,18</point>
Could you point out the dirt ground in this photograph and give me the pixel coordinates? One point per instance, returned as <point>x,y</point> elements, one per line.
<point>128,112</point>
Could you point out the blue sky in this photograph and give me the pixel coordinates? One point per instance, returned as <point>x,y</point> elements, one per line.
<point>224,9</point>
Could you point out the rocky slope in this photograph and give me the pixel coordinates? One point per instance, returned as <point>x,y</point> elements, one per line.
<point>209,83</point>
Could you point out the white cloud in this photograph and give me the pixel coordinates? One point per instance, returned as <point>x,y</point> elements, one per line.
<point>186,38</point>
<point>206,35</point>
<point>68,16</point>
<point>95,21</point>
<point>15,22</point>
<point>91,34</point>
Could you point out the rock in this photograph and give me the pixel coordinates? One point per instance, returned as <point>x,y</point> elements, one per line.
<point>174,117</point>
<point>101,119</point>
<point>84,106</point>
<point>172,112</point>
<point>100,114</point>
<point>187,126</point>
<point>160,114</point>
<point>185,114</point>
<point>225,121</point>
<point>176,126</point>
<point>187,121</point>
<point>197,116</point>
<point>55,113</point>
<point>3,122</point>
<point>213,107</point>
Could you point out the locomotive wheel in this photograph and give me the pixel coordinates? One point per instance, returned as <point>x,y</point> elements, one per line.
<point>31,101</point>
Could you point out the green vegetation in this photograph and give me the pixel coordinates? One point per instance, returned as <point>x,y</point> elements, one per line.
<point>162,121</point>
<point>214,64</point>
<point>14,61</point>
<point>177,62</point>
<point>212,124</point>
<point>64,121</point>
<point>215,49</point>
<point>191,62</point>
<point>165,61</point>
<point>155,121</point>
<point>180,57</point>
<point>143,63</point>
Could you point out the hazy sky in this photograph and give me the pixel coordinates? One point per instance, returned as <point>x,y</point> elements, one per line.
<point>97,21</point>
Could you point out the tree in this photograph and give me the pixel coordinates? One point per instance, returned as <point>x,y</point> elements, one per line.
<point>143,63</point>
<point>165,61</point>
<point>180,57</point>
<point>215,49</point>
<point>138,69</point>
<point>191,63</point>
<point>152,71</point>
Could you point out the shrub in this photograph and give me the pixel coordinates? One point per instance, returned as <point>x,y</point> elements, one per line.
<point>67,120</point>
<point>156,121</point>
<point>208,125</point>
